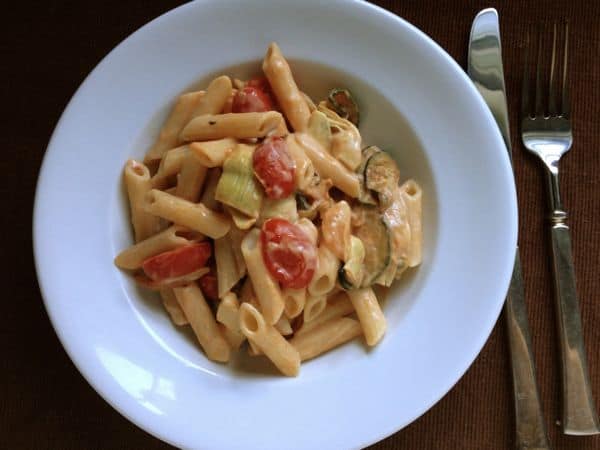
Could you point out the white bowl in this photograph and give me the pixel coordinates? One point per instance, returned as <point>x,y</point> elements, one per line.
<point>416,102</point>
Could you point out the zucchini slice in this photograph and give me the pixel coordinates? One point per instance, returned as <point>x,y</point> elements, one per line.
<point>375,237</point>
<point>366,196</point>
<point>382,176</point>
<point>344,105</point>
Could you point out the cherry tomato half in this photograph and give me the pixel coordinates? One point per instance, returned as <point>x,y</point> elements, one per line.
<point>178,262</point>
<point>288,253</point>
<point>209,286</point>
<point>251,99</point>
<point>274,167</point>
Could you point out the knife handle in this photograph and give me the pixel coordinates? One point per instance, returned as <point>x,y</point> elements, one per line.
<point>530,426</point>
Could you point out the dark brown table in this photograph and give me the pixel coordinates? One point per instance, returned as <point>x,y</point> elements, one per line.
<point>49,47</point>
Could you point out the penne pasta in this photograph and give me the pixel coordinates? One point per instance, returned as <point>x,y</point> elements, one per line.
<point>329,167</point>
<point>210,187</point>
<point>233,125</point>
<point>170,165</point>
<point>294,301</point>
<point>172,306</point>
<point>412,194</point>
<point>266,289</point>
<point>369,314</point>
<point>302,225</point>
<point>304,173</point>
<point>254,326</point>
<point>192,215</point>
<point>178,117</point>
<point>313,307</point>
<point>279,74</point>
<point>138,184</point>
<point>203,323</point>
<point>326,273</point>
<point>212,153</point>
<point>325,337</point>
<point>338,305</point>
<point>191,178</point>
<point>217,93</point>
<point>169,239</point>
<point>228,270</point>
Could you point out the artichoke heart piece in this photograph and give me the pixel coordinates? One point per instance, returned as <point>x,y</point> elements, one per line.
<point>319,128</point>
<point>351,273</point>
<point>237,187</point>
<point>345,138</point>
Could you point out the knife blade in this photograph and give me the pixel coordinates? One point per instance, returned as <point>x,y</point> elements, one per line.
<point>487,73</point>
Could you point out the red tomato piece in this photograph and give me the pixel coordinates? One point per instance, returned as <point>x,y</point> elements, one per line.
<point>209,286</point>
<point>274,167</point>
<point>178,262</point>
<point>261,83</point>
<point>251,99</point>
<point>288,253</point>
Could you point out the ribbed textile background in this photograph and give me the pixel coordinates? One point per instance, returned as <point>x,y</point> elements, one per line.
<point>48,49</point>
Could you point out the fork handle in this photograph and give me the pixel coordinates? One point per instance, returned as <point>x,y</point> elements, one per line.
<point>579,415</point>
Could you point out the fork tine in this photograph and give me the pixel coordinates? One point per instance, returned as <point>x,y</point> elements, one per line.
<point>525,100</point>
<point>565,107</point>
<point>539,100</point>
<point>551,92</point>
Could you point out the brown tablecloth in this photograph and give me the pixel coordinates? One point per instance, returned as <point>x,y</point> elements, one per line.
<point>49,47</point>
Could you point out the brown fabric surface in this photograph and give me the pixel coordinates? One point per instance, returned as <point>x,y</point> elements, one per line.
<point>48,49</point>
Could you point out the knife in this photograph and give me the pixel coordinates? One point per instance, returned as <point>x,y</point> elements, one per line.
<point>485,70</point>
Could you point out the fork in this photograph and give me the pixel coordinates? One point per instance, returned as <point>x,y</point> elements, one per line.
<point>546,132</point>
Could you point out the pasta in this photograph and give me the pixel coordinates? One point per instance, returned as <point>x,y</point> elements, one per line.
<point>203,323</point>
<point>260,217</point>
<point>236,125</point>
<point>179,116</point>
<point>137,181</point>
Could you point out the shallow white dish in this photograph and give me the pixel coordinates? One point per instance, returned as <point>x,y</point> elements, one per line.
<point>415,101</point>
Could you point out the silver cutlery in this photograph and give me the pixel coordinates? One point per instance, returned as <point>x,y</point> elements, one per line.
<point>486,71</point>
<point>546,132</point>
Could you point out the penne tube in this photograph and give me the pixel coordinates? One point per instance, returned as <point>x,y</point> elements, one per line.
<point>289,97</point>
<point>240,220</point>
<point>228,311</point>
<point>369,314</point>
<point>294,300</point>
<point>412,194</point>
<point>173,237</point>
<point>314,307</point>
<point>233,125</point>
<point>228,271</point>
<point>283,326</point>
<point>172,306</point>
<point>191,178</point>
<point>217,94</point>
<point>329,167</point>
<point>254,326</point>
<point>326,273</point>
<point>325,337</point>
<point>266,288</point>
<point>192,215</point>
<point>212,153</point>
<point>178,117</point>
<point>309,229</point>
<point>338,305</point>
<point>138,184</point>
<point>305,170</point>
<point>234,339</point>
<point>170,165</point>
<point>210,187</point>
<point>284,208</point>
<point>201,319</point>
